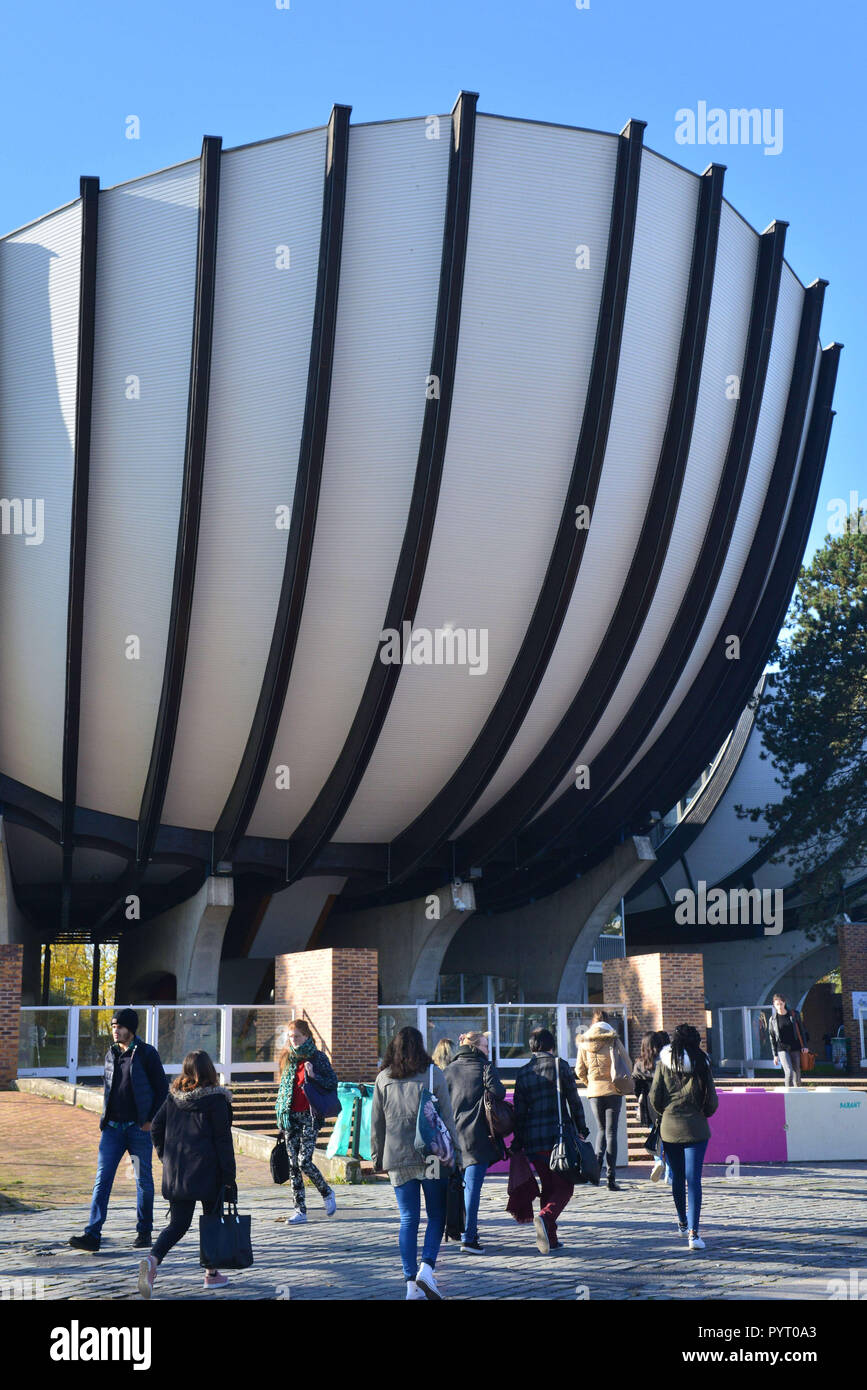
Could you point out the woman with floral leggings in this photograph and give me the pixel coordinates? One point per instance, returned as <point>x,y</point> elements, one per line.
<point>298,1122</point>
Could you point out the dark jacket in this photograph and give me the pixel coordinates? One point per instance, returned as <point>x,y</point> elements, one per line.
<point>149,1083</point>
<point>673,1097</point>
<point>536,1127</point>
<point>468,1076</point>
<point>192,1133</point>
<point>642,1078</point>
<point>792,1045</point>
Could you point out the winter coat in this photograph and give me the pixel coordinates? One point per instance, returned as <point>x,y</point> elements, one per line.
<point>536,1124</point>
<point>468,1076</point>
<point>394,1115</point>
<point>684,1121</point>
<point>774,1032</point>
<point>642,1079</point>
<point>192,1133</point>
<point>595,1051</point>
<point>149,1082</point>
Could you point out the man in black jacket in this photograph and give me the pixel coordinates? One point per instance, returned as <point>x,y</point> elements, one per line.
<point>135,1087</point>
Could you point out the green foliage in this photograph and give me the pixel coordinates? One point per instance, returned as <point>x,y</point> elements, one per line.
<point>814,725</point>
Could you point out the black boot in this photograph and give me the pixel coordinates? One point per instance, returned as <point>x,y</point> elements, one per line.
<point>142,1241</point>
<point>85,1242</point>
<point>612,1185</point>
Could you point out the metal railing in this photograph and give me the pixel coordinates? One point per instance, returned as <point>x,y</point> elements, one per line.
<point>72,1042</point>
<point>508,1025</point>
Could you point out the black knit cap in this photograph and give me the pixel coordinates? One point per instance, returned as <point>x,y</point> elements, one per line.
<point>127,1018</point>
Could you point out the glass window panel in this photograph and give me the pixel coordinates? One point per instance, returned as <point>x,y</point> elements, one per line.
<point>449,1021</point>
<point>42,1038</point>
<point>183,1030</point>
<point>516,1023</point>
<point>391,1020</point>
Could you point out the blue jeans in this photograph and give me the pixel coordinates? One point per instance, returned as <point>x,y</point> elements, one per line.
<point>474,1176</point>
<point>113,1144</point>
<point>409,1205</point>
<point>686,1161</point>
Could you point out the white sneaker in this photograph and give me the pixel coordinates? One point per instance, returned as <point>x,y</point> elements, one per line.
<point>543,1244</point>
<point>427,1283</point>
<point>658,1171</point>
<point>297,1217</point>
<point>330,1204</point>
<point>695,1241</point>
<point>413,1290</point>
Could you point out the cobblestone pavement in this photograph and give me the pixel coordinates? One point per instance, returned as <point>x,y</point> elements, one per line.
<point>779,1231</point>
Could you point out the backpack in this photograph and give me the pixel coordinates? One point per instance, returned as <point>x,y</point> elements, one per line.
<point>432,1139</point>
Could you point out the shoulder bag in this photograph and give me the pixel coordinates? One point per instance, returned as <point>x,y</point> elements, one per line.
<point>279,1161</point>
<point>572,1157</point>
<point>500,1114</point>
<point>808,1058</point>
<point>432,1138</point>
<point>621,1077</point>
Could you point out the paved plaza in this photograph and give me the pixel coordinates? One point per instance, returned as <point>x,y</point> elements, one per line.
<point>772,1232</point>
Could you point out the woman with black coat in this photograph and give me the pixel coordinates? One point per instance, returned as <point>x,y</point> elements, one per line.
<point>192,1133</point>
<point>468,1076</point>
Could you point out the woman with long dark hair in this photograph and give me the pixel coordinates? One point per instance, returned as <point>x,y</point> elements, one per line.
<point>298,1121</point>
<point>192,1133</point>
<point>642,1074</point>
<point>683,1093</point>
<point>407,1071</point>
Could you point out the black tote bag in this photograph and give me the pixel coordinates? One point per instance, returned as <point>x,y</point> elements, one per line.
<point>224,1238</point>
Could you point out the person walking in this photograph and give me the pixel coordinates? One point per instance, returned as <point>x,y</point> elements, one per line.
<point>537,1129</point>
<point>192,1134</point>
<point>642,1076</point>
<point>406,1072</point>
<point>296,1117</point>
<point>469,1076</point>
<point>683,1094</point>
<point>788,1037</point>
<point>602,1058</point>
<point>134,1088</point>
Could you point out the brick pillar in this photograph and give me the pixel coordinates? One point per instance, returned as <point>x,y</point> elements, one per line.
<point>11,964</point>
<point>335,991</point>
<point>852,941</point>
<point>660,990</point>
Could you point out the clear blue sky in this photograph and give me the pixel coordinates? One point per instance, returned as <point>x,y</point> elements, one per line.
<point>246,70</point>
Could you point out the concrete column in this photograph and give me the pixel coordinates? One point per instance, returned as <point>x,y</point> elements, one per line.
<point>412,939</point>
<point>334,991</point>
<point>15,929</point>
<point>546,945</point>
<point>185,942</point>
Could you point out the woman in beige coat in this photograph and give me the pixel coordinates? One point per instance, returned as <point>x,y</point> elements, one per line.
<point>604,1067</point>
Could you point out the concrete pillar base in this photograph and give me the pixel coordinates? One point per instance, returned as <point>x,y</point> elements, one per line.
<point>185,942</point>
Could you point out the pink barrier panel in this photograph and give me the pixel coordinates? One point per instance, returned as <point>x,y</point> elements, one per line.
<point>751,1126</point>
<point>504,1166</point>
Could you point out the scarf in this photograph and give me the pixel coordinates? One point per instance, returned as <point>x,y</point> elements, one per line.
<point>286,1089</point>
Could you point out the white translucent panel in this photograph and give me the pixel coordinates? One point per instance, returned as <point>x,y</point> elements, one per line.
<point>658,285</point>
<point>754,497</point>
<point>527,330</point>
<point>386,311</point>
<point>39,296</point>
<point>270,198</point>
<point>146,268</point>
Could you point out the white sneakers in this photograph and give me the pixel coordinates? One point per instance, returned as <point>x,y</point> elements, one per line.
<point>543,1244</point>
<point>427,1283</point>
<point>413,1290</point>
<point>658,1170</point>
<point>330,1204</point>
<point>297,1217</point>
<point>695,1241</point>
<point>147,1273</point>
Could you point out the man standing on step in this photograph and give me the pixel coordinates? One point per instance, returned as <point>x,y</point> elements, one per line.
<point>135,1088</point>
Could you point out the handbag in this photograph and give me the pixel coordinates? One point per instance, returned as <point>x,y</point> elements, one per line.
<point>325,1102</point>
<point>565,1157</point>
<point>808,1058</point>
<point>500,1116</point>
<point>224,1237</point>
<point>432,1139</point>
<point>279,1161</point>
<point>653,1142</point>
<point>621,1077</point>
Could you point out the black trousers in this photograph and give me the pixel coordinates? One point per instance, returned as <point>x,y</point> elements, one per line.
<point>606,1110</point>
<point>180,1219</point>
